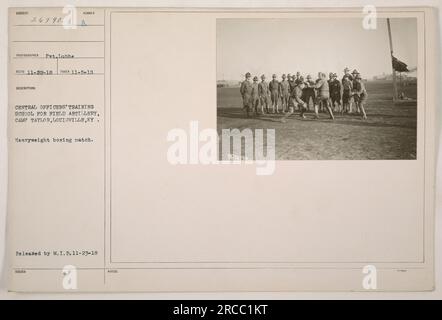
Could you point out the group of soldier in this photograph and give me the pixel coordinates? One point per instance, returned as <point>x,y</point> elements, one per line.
<point>295,92</point>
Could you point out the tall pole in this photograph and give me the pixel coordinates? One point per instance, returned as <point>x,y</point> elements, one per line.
<point>391,53</point>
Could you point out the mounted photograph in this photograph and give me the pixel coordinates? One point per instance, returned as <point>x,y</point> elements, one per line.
<point>331,88</point>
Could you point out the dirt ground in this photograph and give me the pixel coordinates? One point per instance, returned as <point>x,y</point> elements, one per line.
<point>388,133</point>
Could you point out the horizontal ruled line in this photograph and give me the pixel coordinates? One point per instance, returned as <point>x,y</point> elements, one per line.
<point>61,74</point>
<point>57,41</point>
<point>60,58</point>
<point>58,25</point>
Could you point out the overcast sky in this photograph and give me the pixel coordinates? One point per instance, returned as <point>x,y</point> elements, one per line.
<point>310,45</point>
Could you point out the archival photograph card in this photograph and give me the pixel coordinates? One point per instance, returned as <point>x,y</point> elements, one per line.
<point>202,150</point>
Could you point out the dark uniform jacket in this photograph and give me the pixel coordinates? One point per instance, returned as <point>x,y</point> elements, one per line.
<point>347,85</point>
<point>274,86</point>
<point>309,87</point>
<point>359,89</point>
<point>335,87</point>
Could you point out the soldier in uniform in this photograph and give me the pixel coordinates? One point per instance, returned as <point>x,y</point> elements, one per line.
<point>360,94</point>
<point>263,90</point>
<point>335,92</point>
<point>300,80</point>
<point>246,93</point>
<point>330,77</point>
<point>284,88</point>
<point>349,77</point>
<point>274,93</point>
<point>298,75</point>
<point>255,95</point>
<point>354,74</point>
<point>323,97</point>
<point>292,85</point>
<point>347,86</point>
<point>297,95</point>
<point>320,106</point>
<point>309,91</point>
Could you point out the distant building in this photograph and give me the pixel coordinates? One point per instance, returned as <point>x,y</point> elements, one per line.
<point>227,83</point>
<point>221,84</point>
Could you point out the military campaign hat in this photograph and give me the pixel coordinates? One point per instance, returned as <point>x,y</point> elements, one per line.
<point>255,78</point>
<point>274,76</point>
<point>346,69</point>
<point>355,72</point>
<point>309,76</point>
<point>248,74</point>
<point>283,75</point>
<point>263,76</point>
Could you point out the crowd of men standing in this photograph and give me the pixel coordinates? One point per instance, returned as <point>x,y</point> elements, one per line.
<point>295,92</point>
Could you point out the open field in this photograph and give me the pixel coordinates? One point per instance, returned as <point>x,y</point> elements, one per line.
<point>388,133</point>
